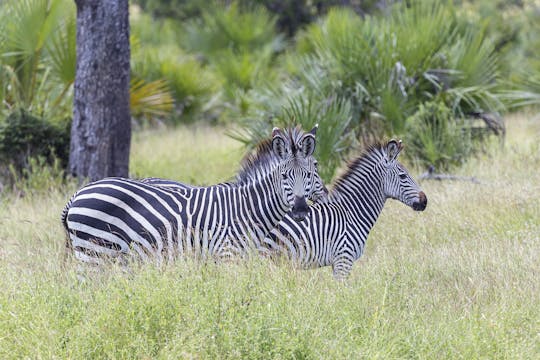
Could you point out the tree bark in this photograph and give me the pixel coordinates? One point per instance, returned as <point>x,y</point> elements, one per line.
<point>101,130</point>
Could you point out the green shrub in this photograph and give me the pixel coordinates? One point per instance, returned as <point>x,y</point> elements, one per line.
<point>157,57</point>
<point>289,105</point>
<point>239,42</point>
<point>24,136</point>
<point>37,55</point>
<point>291,15</point>
<point>176,9</point>
<point>436,137</point>
<point>235,27</point>
<point>190,83</point>
<point>386,67</point>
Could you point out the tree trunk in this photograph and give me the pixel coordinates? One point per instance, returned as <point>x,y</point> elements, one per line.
<point>101,130</point>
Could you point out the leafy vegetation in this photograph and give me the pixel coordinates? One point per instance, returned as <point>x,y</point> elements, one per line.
<point>382,69</point>
<point>435,137</point>
<point>360,70</point>
<point>238,42</point>
<point>25,138</point>
<point>34,62</point>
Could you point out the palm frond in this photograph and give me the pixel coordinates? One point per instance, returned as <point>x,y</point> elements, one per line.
<point>62,51</point>
<point>152,99</point>
<point>29,25</point>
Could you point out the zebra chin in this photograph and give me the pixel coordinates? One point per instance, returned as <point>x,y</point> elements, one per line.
<point>300,209</point>
<point>421,204</point>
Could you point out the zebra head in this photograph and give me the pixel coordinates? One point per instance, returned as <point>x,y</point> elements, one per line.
<point>300,179</point>
<point>398,183</point>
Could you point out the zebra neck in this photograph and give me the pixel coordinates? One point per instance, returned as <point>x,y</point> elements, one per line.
<point>265,202</point>
<point>360,192</point>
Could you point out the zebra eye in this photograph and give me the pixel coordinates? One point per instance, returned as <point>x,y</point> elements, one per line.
<point>402,176</point>
<point>284,175</point>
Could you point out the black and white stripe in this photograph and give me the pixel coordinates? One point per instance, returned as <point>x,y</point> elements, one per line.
<point>335,233</point>
<point>156,221</point>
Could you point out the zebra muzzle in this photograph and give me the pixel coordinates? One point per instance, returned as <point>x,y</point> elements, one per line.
<point>421,204</point>
<point>300,208</point>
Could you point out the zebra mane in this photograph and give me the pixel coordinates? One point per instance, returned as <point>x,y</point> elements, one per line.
<point>262,160</point>
<point>372,152</point>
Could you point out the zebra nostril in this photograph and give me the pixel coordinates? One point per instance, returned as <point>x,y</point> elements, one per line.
<point>423,197</point>
<point>422,202</point>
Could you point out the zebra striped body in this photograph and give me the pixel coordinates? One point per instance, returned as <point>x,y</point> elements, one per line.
<point>158,221</point>
<point>335,233</point>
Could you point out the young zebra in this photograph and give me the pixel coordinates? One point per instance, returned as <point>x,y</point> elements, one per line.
<point>117,216</point>
<point>335,233</point>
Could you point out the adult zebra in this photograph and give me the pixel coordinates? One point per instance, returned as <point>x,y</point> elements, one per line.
<point>117,216</point>
<point>335,233</point>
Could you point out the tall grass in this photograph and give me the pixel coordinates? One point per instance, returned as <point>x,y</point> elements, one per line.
<point>459,280</point>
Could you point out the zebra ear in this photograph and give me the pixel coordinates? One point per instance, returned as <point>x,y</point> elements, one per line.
<point>393,149</point>
<point>314,130</point>
<point>308,143</point>
<point>279,145</point>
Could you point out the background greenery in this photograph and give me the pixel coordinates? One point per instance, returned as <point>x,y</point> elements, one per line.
<point>361,69</point>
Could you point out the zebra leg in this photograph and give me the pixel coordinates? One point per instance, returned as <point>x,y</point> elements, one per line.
<point>341,268</point>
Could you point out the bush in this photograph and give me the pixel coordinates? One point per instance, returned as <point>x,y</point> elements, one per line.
<point>158,59</point>
<point>434,136</point>
<point>37,56</point>
<point>291,15</point>
<point>239,42</point>
<point>24,136</point>
<point>288,104</point>
<point>177,9</point>
<point>387,67</point>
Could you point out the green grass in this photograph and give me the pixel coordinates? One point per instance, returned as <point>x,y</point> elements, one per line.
<point>458,281</point>
<point>198,155</point>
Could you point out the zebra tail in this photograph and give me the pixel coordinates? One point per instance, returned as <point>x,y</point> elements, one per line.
<point>63,218</point>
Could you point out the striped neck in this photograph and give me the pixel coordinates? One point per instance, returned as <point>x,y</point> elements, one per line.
<point>360,189</point>
<point>265,200</point>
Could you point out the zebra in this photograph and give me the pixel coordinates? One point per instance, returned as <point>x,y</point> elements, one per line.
<point>335,232</point>
<point>113,217</point>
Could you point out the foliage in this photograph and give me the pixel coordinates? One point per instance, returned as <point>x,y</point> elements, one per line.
<point>527,93</point>
<point>150,99</point>
<point>157,57</point>
<point>24,136</point>
<point>189,83</point>
<point>37,57</point>
<point>434,136</point>
<point>38,61</point>
<point>238,42</point>
<point>291,15</point>
<point>175,9</point>
<point>386,67</point>
<point>513,27</point>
